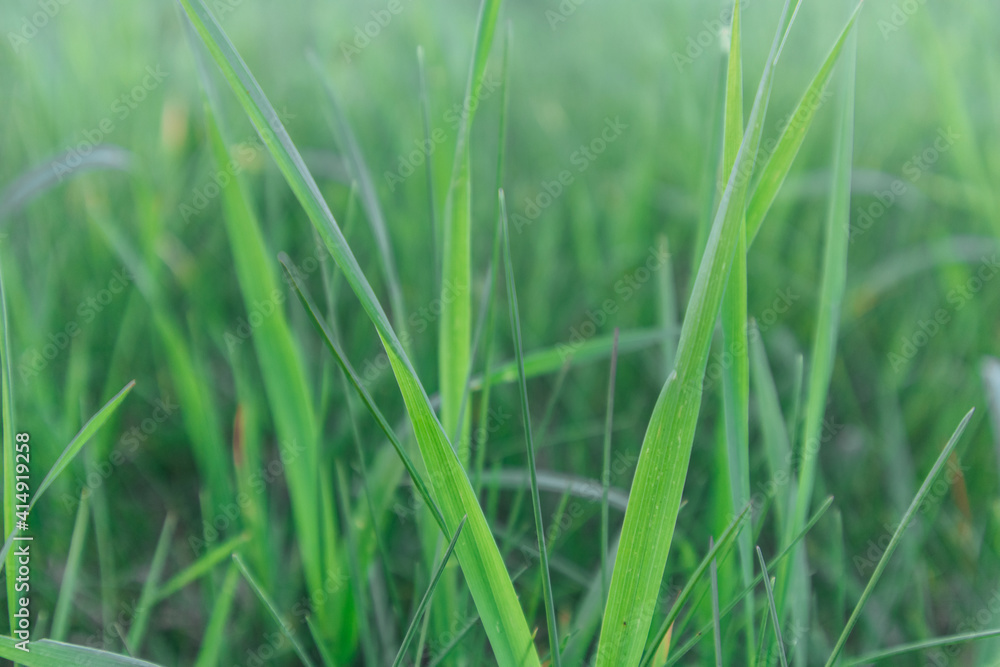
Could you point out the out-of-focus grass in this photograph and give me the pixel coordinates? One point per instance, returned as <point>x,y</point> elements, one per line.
<point>157,260</point>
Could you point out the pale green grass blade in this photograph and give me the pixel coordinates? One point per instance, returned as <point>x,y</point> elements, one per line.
<point>543,551</point>
<point>905,649</point>
<point>668,306</point>
<point>477,552</point>
<point>703,632</point>
<point>147,598</point>
<point>832,286</point>
<point>210,652</point>
<point>663,461</point>
<point>201,567</point>
<point>775,621</point>
<point>606,466</point>
<point>425,116</point>
<point>67,588</point>
<point>275,614</point>
<point>48,653</point>
<point>455,334</point>
<point>718,548</point>
<point>736,375</point>
<point>782,153</point>
<point>897,536</point>
<point>428,595</point>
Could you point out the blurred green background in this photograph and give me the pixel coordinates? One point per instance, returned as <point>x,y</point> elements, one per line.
<point>921,313</point>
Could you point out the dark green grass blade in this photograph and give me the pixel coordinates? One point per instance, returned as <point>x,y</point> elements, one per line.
<point>48,653</point>
<point>515,327</point>
<point>775,621</point>
<point>275,614</point>
<point>666,450</point>
<point>897,536</point>
<point>408,638</point>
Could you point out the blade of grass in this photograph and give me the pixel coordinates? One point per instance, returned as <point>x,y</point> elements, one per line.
<point>716,619</point>
<point>720,547</point>
<point>606,466</point>
<point>48,653</point>
<point>266,601</point>
<point>775,621</point>
<point>477,552</point>
<point>9,487</point>
<point>543,552</point>
<point>201,567</point>
<point>67,589</point>
<point>428,595</point>
<point>147,598</point>
<point>317,636</point>
<point>680,652</point>
<point>783,151</point>
<point>905,649</point>
<point>736,375</point>
<point>897,536</point>
<point>666,450</point>
<point>210,653</point>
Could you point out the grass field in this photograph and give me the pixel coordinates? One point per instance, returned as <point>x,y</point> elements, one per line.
<point>426,333</point>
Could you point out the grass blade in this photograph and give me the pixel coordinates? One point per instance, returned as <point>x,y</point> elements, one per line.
<point>913,647</point>
<point>266,601</point>
<point>716,619</point>
<point>201,567</point>
<point>210,652</point>
<point>414,624</point>
<point>67,589</point>
<point>515,326</point>
<point>147,599</point>
<point>897,536</point>
<point>775,621</point>
<point>784,150</point>
<point>48,653</point>
<point>666,449</point>
<point>606,467</point>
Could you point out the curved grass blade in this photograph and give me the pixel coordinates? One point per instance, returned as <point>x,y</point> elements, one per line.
<point>666,449</point>
<point>266,601</point>
<point>48,653</point>
<point>543,551</point>
<point>783,151</point>
<point>898,535</point>
<point>775,621</point>
<point>200,567</point>
<point>414,624</point>
<point>477,552</point>
<point>913,647</point>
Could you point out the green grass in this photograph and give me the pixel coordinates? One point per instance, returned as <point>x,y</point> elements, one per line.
<point>755,293</point>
